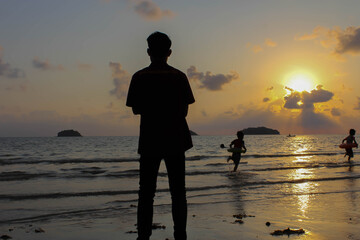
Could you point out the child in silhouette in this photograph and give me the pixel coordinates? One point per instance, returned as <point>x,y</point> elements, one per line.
<point>240,144</point>
<point>349,139</point>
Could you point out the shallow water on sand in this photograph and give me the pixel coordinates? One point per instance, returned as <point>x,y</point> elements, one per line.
<point>77,187</point>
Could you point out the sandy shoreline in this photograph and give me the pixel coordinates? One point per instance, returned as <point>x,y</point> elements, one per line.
<point>206,221</point>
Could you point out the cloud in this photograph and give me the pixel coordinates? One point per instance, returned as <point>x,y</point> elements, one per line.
<point>209,81</point>
<point>335,112</point>
<point>293,100</point>
<point>358,104</point>
<point>6,70</point>
<point>270,43</point>
<point>150,11</point>
<point>121,80</point>
<point>306,100</point>
<point>270,88</point>
<point>45,65</point>
<point>255,48</point>
<point>266,99</point>
<point>345,41</point>
<point>316,96</point>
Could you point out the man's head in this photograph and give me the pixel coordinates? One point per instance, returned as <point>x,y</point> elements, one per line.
<point>159,45</point>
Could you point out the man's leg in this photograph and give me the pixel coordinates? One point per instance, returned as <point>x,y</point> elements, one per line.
<point>149,167</point>
<point>175,166</point>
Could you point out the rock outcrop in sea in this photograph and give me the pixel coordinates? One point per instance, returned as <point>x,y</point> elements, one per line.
<point>69,133</point>
<point>193,133</point>
<point>260,131</point>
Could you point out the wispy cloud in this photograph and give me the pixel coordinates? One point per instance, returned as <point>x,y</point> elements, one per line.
<point>6,70</point>
<point>151,11</point>
<point>357,107</point>
<point>335,112</point>
<point>45,65</point>
<point>256,48</point>
<point>270,43</point>
<point>266,99</point>
<point>121,80</point>
<point>210,81</point>
<point>342,41</point>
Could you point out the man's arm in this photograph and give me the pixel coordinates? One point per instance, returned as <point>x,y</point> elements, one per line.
<point>186,109</point>
<point>136,110</point>
<point>133,96</point>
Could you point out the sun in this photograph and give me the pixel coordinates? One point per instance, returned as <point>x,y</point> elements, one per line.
<point>300,82</point>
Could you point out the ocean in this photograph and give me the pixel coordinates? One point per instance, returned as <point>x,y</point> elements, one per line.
<point>86,188</point>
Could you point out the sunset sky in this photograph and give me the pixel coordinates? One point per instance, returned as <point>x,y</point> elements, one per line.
<point>290,65</point>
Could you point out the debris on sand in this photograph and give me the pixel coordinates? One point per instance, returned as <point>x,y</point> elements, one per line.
<point>239,221</point>
<point>157,226</point>
<point>39,230</point>
<point>288,231</point>
<point>241,216</point>
<point>5,237</point>
<point>267,223</point>
<point>129,232</point>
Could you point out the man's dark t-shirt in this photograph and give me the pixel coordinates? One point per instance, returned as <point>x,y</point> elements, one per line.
<point>161,94</point>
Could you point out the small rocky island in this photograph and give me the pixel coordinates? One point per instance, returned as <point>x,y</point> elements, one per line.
<point>260,131</point>
<point>192,133</point>
<point>69,133</point>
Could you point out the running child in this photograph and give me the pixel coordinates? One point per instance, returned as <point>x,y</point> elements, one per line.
<point>239,144</point>
<point>350,139</point>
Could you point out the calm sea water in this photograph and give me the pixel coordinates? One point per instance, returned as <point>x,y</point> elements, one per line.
<point>52,179</point>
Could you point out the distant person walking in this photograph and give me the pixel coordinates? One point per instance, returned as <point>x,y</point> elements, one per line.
<point>161,95</point>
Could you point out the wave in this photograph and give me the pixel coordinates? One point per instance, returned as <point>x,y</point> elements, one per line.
<point>65,214</point>
<point>97,172</point>
<point>64,161</point>
<point>20,160</point>
<point>20,175</point>
<point>58,195</point>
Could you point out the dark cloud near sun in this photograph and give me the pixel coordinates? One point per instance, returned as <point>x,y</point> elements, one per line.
<point>308,118</point>
<point>210,81</point>
<point>151,11</point>
<point>306,100</point>
<point>45,65</point>
<point>266,99</point>
<point>6,70</point>
<point>292,101</point>
<point>121,80</point>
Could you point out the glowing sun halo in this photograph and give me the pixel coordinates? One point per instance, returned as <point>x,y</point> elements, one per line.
<point>301,82</point>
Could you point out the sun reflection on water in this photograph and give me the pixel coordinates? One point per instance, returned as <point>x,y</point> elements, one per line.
<point>303,190</point>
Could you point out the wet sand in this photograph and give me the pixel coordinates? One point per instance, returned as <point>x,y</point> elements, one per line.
<point>322,216</point>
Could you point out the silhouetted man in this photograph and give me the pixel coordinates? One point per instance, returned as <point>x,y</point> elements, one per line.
<point>161,95</point>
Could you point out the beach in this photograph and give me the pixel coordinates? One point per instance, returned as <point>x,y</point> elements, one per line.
<point>86,188</point>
